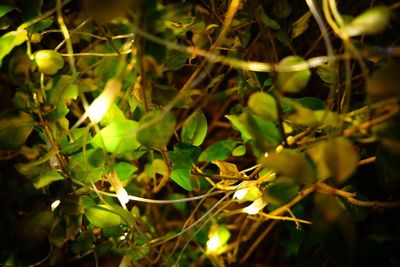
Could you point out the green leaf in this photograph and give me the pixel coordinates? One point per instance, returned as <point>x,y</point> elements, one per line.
<point>384,82</point>
<point>327,73</point>
<point>113,113</point>
<point>302,116</point>
<point>301,25</point>
<point>72,205</point>
<point>239,123</point>
<point>239,151</point>
<point>102,216</point>
<point>264,105</point>
<point>220,150</point>
<point>81,171</point>
<point>157,166</point>
<point>292,81</point>
<point>281,9</point>
<point>118,137</point>
<point>47,178</point>
<point>124,170</point>
<point>83,243</point>
<point>267,21</point>
<point>34,229</point>
<point>181,206</point>
<point>335,158</point>
<point>15,127</point>
<point>49,62</point>
<point>312,103</point>
<point>291,163</point>
<point>10,40</point>
<point>281,191</point>
<point>4,9</point>
<point>265,133</point>
<point>156,128</point>
<point>194,129</point>
<point>174,60</point>
<point>181,160</point>
<point>371,21</point>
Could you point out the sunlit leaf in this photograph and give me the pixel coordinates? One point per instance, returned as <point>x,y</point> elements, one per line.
<point>239,123</point>
<point>281,191</point>
<point>194,129</point>
<point>15,127</point>
<point>47,178</point>
<point>220,150</point>
<point>301,25</point>
<point>227,168</point>
<point>239,151</point>
<point>302,116</point>
<point>124,170</point>
<point>157,166</point>
<point>335,158</point>
<point>264,105</point>
<point>102,216</point>
<point>48,61</point>
<point>291,163</point>
<point>293,81</point>
<point>117,137</point>
<point>10,40</point>
<point>156,128</point>
<point>371,21</point>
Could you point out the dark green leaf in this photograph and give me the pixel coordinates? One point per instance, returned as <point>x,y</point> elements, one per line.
<point>124,170</point>
<point>281,9</point>
<point>281,191</point>
<point>15,127</point>
<point>181,160</point>
<point>293,81</point>
<point>327,73</point>
<point>156,128</point>
<point>267,21</point>
<point>175,59</point>
<point>72,205</point>
<point>102,216</point>
<point>312,103</point>
<point>220,150</point>
<point>194,129</point>
<point>34,229</point>
<point>83,243</point>
<point>384,82</point>
<point>117,137</point>
<point>4,9</point>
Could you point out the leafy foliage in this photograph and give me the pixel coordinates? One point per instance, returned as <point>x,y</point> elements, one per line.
<point>182,133</point>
